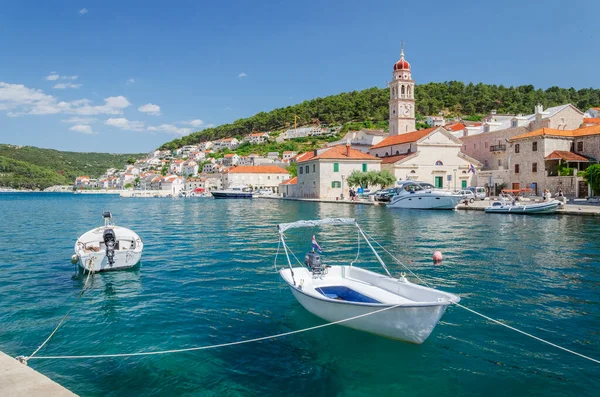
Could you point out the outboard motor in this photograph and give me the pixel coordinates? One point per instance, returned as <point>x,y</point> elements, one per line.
<point>313,261</point>
<point>110,240</point>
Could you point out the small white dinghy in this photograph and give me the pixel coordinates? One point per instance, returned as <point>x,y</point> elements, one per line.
<point>339,292</point>
<point>108,247</point>
<point>509,205</point>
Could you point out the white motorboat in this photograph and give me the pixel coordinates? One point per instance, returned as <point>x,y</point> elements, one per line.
<point>234,192</point>
<point>424,196</point>
<point>108,247</point>
<point>404,311</point>
<point>509,205</point>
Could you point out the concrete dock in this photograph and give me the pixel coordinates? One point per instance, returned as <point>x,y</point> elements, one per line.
<point>19,380</point>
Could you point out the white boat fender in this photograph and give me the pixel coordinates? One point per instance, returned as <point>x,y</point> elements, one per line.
<point>74,259</point>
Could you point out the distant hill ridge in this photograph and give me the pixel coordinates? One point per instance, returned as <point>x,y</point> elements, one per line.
<point>371,104</point>
<point>31,167</point>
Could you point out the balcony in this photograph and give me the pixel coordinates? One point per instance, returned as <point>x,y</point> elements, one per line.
<point>497,148</point>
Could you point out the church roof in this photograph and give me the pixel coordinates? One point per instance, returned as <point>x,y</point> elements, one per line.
<point>339,152</point>
<point>404,138</point>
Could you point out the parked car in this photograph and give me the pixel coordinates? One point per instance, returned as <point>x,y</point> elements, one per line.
<point>478,191</point>
<point>467,195</point>
<point>385,195</point>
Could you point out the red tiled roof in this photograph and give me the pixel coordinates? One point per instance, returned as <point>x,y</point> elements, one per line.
<point>592,120</point>
<point>404,138</point>
<point>339,152</point>
<point>584,131</point>
<point>293,181</point>
<point>258,169</point>
<point>230,155</point>
<point>455,127</point>
<point>393,159</point>
<point>567,156</point>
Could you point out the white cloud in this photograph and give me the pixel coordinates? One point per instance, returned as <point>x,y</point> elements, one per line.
<point>150,108</point>
<point>84,129</point>
<point>125,124</point>
<point>130,81</point>
<point>53,76</point>
<point>80,120</point>
<point>242,75</point>
<point>62,86</point>
<point>83,11</point>
<point>193,123</point>
<point>171,129</point>
<point>20,100</point>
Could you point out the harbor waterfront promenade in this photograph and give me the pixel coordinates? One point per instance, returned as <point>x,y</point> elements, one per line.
<point>18,380</point>
<point>576,208</point>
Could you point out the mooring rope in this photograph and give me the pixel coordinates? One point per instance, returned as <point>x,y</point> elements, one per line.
<point>483,315</point>
<point>62,320</point>
<point>526,334</point>
<point>240,342</point>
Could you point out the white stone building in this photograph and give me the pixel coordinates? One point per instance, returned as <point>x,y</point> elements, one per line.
<point>435,121</point>
<point>231,159</point>
<point>172,183</point>
<point>323,173</point>
<point>432,155</point>
<point>189,168</point>
<point>226,143</point>
<point>361,140</point>
<point>256,176</point>
<point>256,138</point>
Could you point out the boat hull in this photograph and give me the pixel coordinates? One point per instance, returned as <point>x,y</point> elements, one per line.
<point>539,208</point>
<point>223,195</point>
<point>426,202</point>
<point>98,262</point>
<point>405,323</point>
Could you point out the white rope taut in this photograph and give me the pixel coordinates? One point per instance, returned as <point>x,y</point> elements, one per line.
<point>240,342</point>
<point>483,315</point>
<point>527,334</point>
<point>24,359</point>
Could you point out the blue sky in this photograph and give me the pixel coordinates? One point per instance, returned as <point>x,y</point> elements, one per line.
<point>127,76</point>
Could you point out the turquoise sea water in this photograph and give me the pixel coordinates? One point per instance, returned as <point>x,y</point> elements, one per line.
<point>207,277</point>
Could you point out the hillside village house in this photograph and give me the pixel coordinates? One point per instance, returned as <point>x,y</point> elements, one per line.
<point>322,173</point>
<point>176,166</point>
<point>194,183</point>
<point>288,154</point>
<point>82,181</point>
<point>432,155</point>
<point>226,143</point>
<point>190,168</point>
<point>535,158</point>
<point>205,145</point>
<point>231,159</point>
<point>256,176</point>
<point>435,121</point>
<point>172,183</point>
<point>289,187</point>
<point>361,140</point>
<point>256,138</point>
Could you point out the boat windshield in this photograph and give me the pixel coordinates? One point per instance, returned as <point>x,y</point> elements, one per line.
<point>427,185</point>
<point>412,187</point>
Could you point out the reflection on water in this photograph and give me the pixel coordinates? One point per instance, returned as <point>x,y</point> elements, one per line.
<point>207,277</point>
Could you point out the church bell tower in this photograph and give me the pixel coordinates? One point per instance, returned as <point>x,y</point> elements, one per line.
<point>402,98</point>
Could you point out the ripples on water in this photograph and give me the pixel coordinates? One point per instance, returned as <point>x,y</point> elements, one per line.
<point>207,277</point>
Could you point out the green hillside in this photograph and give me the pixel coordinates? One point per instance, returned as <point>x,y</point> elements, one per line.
<point>32,167</point>
<point>21,175</point>
<point>454,98</point>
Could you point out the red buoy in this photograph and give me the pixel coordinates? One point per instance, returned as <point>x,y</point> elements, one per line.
<point>437,257</point>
